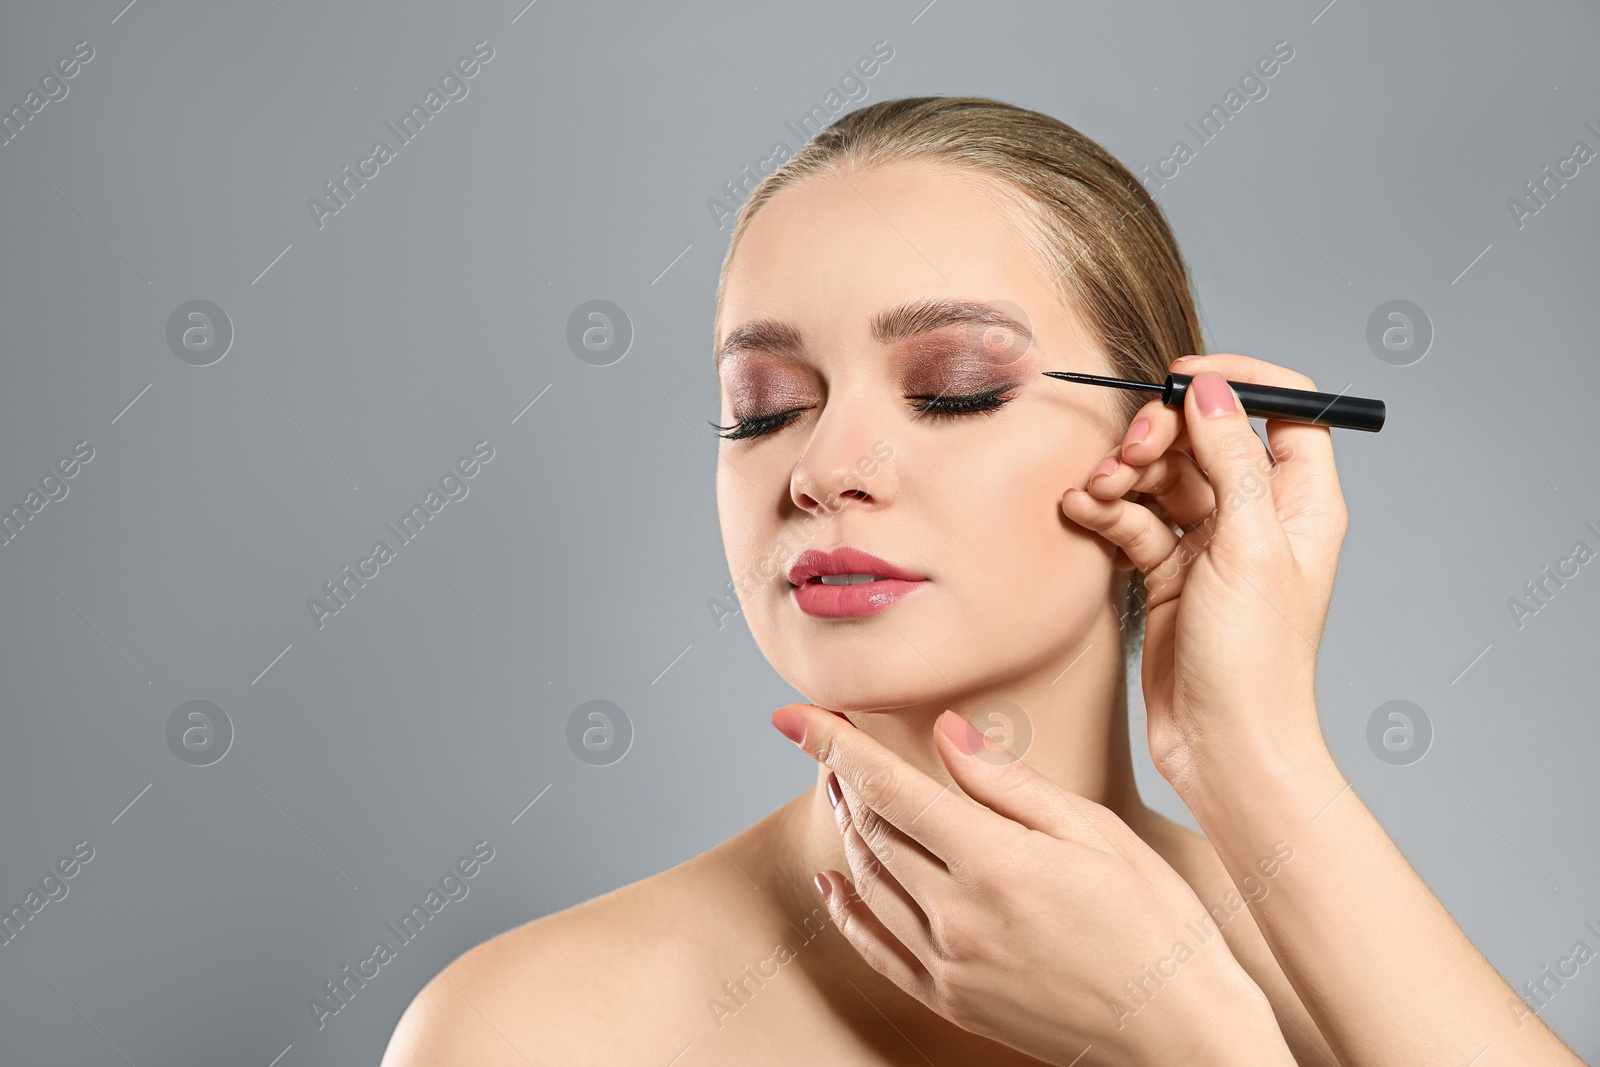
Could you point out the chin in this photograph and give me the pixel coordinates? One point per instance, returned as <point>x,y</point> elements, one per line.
<point>859,700</point>
<point>852,674</point>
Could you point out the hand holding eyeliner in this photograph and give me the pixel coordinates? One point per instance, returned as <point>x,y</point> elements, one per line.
<point>1262,401</point>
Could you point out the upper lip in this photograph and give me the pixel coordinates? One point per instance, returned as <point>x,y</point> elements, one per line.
<point>845,560</point>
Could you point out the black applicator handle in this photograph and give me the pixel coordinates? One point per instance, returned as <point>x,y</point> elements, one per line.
<point>1290,405</point>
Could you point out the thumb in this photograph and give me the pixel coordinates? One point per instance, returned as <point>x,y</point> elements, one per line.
<point>1230,452</point>
<point>1009,787</point>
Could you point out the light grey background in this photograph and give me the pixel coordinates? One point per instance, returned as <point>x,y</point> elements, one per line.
<point>372,353</point>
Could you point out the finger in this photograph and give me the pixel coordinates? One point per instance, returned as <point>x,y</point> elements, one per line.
<point>880,890</point>
<point>1155,428</point>
<point>1305,441</point>
<point>1305,482</point>
<point>1012,788</point>
<point>1165,580</point>
<point>884,843</point>
<point>1233,457</point>
<point>1172,478</point>
<point>1155,506</point>
<point>879,885</point>
<point>871,939</point>
<point>883,781</point>
<point>1164,427</point>
<point>1143,537</point>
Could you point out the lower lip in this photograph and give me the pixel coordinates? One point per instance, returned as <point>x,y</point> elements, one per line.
<point>847,601</point>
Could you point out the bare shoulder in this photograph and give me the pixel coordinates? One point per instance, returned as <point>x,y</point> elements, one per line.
<point>599,982</point>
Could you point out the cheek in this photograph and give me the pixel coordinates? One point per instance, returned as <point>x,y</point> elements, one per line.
<point>757,546</point>
<point>753,539</point>
<point>1011,550</point>
<point>737,516</point>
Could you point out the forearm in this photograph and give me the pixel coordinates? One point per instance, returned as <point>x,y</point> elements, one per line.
<point>1383,969</point>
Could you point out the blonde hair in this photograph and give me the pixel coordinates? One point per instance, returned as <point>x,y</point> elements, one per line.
<point>1095,229</point>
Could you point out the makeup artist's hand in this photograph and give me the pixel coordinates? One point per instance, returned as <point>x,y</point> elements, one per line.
<point>1236,604</point>
<point>1034,917</point>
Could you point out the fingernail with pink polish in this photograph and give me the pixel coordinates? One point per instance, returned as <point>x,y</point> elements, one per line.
<point>823,885</point>
<point>960,731</point>
<point>1212,394</point>
<point>790,723</point>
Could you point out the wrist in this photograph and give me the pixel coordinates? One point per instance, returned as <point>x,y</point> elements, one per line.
<point>1255,1041</point>
<point>1256,810</point>
<point>1244,1031</point>
<point>1215,770</point>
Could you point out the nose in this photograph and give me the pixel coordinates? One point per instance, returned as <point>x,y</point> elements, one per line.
<point>842,459</point>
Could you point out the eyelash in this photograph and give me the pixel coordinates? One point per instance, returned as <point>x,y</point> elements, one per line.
<point>937,406</point>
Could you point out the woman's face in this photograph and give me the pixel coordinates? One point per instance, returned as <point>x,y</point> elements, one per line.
<point>825,314</point>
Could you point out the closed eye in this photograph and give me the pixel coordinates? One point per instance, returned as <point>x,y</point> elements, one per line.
<point>973,404</point>
<point>757,425</point>
<point>939,406</point>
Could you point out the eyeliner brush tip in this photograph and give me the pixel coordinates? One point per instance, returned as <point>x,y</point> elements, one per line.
<point>1097,379</point>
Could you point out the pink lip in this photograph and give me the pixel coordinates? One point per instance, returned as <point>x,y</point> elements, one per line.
<point>845,601</point>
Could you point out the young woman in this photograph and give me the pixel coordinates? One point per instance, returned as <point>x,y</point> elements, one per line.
<point>902,506</point>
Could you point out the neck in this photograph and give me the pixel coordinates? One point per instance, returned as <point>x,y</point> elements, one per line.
<point>1066,717</point>
<point>1075,709</point>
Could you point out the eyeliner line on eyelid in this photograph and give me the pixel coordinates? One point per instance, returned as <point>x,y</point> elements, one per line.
<point>914,391</point>
<point>940,407</point>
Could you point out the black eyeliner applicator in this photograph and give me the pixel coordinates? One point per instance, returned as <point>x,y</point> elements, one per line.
<point>1262,401</point>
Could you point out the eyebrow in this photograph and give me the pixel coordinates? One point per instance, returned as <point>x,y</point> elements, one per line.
<point>888,327</point>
